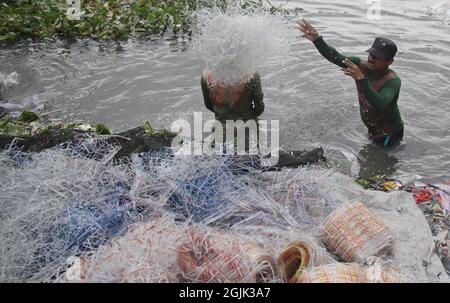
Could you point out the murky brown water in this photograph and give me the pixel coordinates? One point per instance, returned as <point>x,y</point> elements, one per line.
<point>125,84</point>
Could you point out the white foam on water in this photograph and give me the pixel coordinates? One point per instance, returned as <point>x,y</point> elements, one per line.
<point>8,80</point>
<point>235,43</point>
<point>440,9</point>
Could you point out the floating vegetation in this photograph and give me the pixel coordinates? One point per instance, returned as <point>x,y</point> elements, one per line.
<point>150,131</point>
<point>99,19</point>
<point>28,124</point>
<point>102,129</point>
<point>23,126</point>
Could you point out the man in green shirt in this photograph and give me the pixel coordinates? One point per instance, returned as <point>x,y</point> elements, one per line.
<point>378,86</point>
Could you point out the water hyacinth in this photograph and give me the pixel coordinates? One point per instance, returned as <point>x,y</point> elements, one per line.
<point>98,19</point>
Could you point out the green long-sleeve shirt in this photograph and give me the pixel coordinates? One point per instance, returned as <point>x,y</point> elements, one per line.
<point>383,101</point>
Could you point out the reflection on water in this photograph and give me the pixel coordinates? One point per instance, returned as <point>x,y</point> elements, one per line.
<point>375,161</point>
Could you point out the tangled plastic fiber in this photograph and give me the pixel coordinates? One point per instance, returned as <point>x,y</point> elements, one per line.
<point>72,214</point>
<point>236,42</point>
<point>71,200</point>
<point>59,203</point>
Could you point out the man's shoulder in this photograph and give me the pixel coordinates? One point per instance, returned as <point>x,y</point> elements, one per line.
<point>394,78</point>
<point>394,73</point>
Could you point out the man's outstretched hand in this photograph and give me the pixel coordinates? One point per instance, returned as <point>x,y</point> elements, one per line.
<point>309,32</point>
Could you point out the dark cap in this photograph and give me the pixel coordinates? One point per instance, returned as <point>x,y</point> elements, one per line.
<point>383,48</point>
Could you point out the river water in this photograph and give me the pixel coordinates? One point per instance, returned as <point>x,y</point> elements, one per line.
<point>158,79</point>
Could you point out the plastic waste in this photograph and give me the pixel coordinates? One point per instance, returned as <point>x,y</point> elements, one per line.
<point>422,195</point>
<point>392,185</point>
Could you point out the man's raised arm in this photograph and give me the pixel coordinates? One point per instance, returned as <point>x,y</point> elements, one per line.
<point>330,53</point>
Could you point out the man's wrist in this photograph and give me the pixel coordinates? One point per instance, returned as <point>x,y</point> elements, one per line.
<point>361,78</point>
<point>317,39</point>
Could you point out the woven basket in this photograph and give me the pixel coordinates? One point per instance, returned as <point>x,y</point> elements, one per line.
<point>335,273</point>
<point>349,273</point>
<point>354,233</point>
<point>293,260</point>
<point>216,257</point>
<point>392,275</point>
<point>264,268</point>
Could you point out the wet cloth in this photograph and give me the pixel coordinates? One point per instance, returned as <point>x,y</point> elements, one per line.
<point>233,102</point>
<point>377,98</point>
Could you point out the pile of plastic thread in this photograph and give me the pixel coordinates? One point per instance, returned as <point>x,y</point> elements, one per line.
<point>59,203</point>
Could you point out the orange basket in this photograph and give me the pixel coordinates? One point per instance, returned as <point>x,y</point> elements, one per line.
<point>293,260</point>
<point>355,233</point>
<point>334,273</point>
<point>215,257</point>
<point>350,273</point>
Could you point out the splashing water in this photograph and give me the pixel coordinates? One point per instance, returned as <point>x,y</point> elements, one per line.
<point>236,42</point>
<point>7,81</point>
<point>441,9</point>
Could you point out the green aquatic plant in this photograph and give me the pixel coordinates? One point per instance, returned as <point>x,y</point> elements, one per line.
<point>28,117</point>
<point>101,19</point>
<point>165,133</point>
<point>364,183</point>
<point>13,127</point>
<point>9,128</point>
<point>102,129</point>
<point>148,128</point>
<point>367,183</point>
<point>28,124</point>
<point>149,131</point>
<point>25,125</point>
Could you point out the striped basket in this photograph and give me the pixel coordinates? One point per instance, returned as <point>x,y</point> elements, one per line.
<point>293,260</point>
<point>220,257</point>
<point>354,233</point>
<point>334,273</point>
<point>350,273</point>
